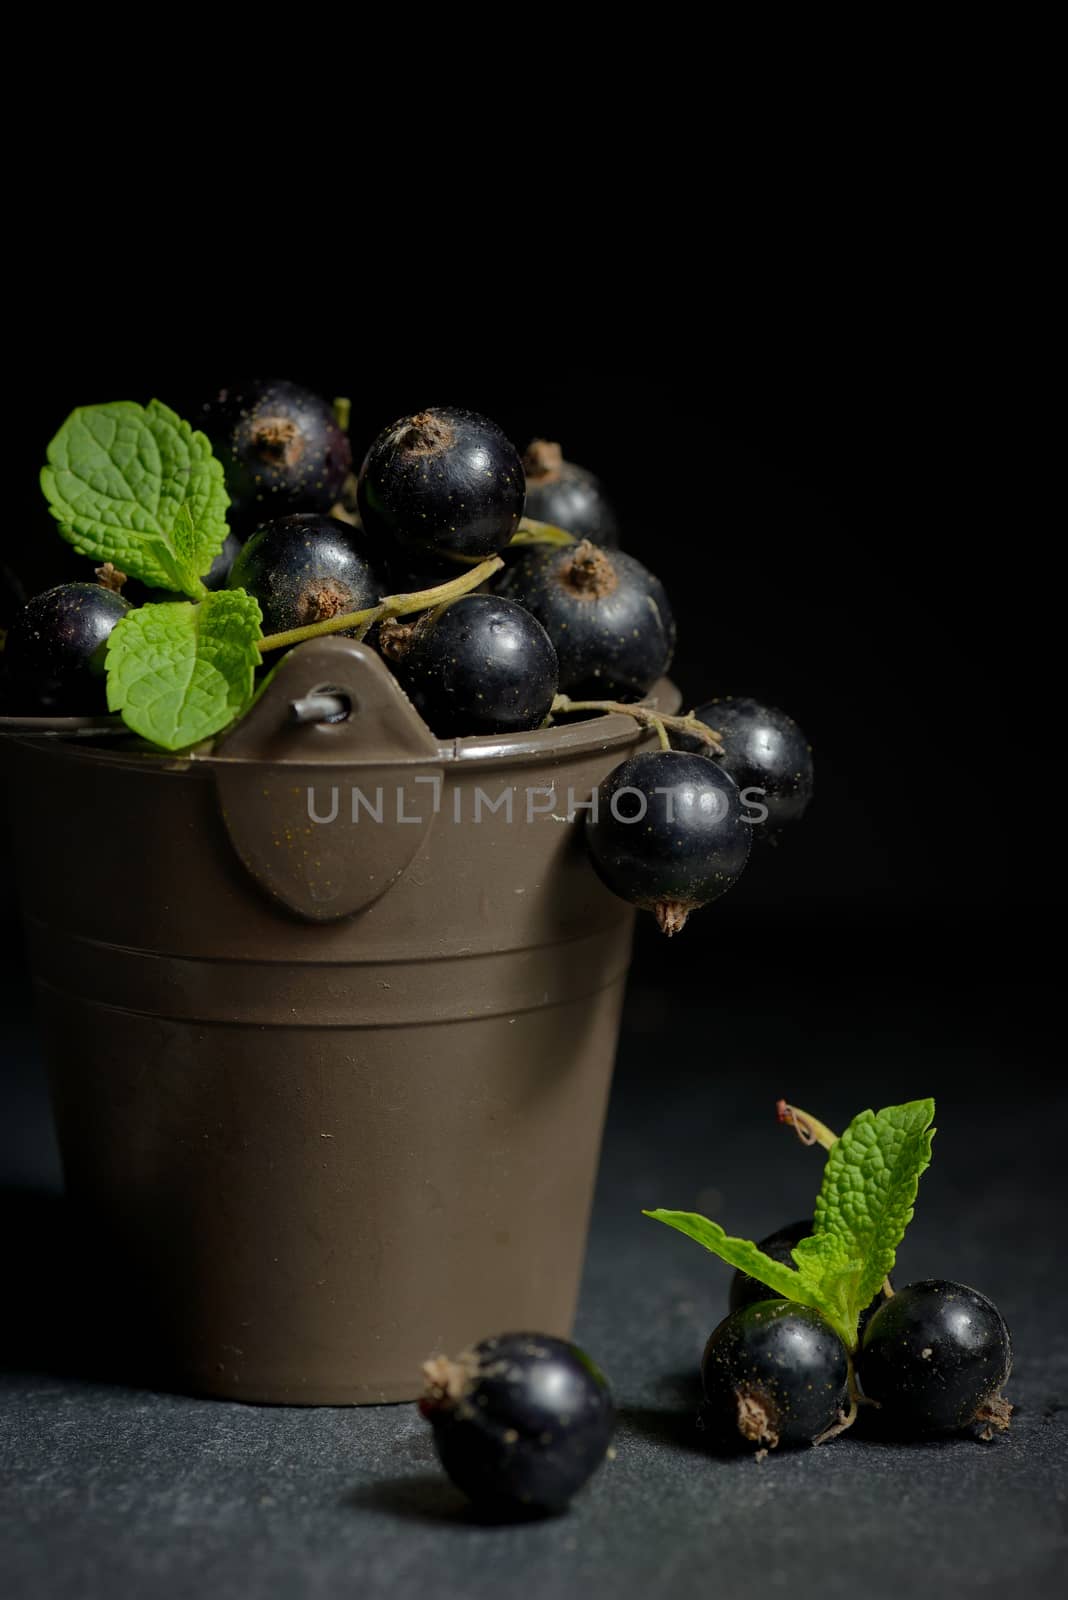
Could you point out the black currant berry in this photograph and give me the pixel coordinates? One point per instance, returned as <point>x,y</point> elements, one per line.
<point>520,1422</point>
<point>56,647</point>
<point>934,1358</point>
<point>280,446</point>
<point>763,749</point>
<point>668,833</point>
<point>303,569</point>
<point>479,665</point>
<point>746,1291</point>
<point>567,496</point>
<point>219,571</point>
<point>444,478</point>
<point>773,1373</point>
<point>607,616</point>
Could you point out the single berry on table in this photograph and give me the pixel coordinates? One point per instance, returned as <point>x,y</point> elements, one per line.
<point>520,1422</point>
<point>774,1373</point>
<point>608,617</point>
<point>303,569</point>
<point>280,445</point>
<point>934,1359</point>
<point>479,665</point>
<point>567,496</point>
<point>56,648</point>
<point>668,834</point>
<point>444,478</point>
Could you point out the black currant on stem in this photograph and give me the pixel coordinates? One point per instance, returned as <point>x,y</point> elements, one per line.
<point>392,605</point>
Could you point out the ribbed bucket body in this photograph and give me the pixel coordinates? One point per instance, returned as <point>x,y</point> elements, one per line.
<point>330,1023</point>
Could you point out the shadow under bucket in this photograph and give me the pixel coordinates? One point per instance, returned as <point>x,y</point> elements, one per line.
<point>330,1017</point>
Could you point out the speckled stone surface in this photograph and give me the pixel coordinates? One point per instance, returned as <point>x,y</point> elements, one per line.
<point>115,1491</point>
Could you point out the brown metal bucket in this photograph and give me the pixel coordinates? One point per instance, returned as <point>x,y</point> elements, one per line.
<point>330,1033</point>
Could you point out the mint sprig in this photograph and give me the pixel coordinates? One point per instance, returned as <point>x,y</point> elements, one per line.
<point>864,1206</point>
<point>137,486</point>
<point>180,672</point>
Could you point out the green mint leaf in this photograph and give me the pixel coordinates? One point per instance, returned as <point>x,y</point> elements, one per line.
<point>864,1206</point>
<point>180,672</point>
<point>740,1253</point>
<point>137,486</point>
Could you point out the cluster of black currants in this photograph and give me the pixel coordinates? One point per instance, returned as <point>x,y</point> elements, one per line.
<point>523,1420</point>
<point>569,627</point>
<point>572,625</point>
<point>932,1360</point>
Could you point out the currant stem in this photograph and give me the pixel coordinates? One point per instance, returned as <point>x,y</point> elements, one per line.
<point>532,532</point>
<point>846,1419</point>
<point>392,605</point>
<point>658,720</point>
<point>528,532</point>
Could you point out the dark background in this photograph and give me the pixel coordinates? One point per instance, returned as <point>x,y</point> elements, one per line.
<point>847,524</point>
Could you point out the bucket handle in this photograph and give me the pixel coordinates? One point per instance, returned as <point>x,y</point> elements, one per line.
<point>286,781</point>
<point>380,723</point>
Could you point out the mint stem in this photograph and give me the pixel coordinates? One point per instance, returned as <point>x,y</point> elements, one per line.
<point>393,605</point>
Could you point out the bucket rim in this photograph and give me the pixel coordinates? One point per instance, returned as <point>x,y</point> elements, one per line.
<point>597,730</point>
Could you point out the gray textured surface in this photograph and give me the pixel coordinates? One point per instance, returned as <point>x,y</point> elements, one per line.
<point>118,1492</point>
<point>114,1491</point>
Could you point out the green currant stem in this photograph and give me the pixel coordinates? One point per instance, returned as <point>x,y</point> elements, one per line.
<point>528,532</point>
<point>532,532</point>
<point>392,605</point>
<point>648,719</point>
<point>342,411</point>
<point>810,1130</point>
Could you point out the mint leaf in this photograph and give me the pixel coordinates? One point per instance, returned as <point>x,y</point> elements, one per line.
<point>137,486</point>
<point>740,1253</point>
<point>180,672</point>
<point>864,1206</point>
